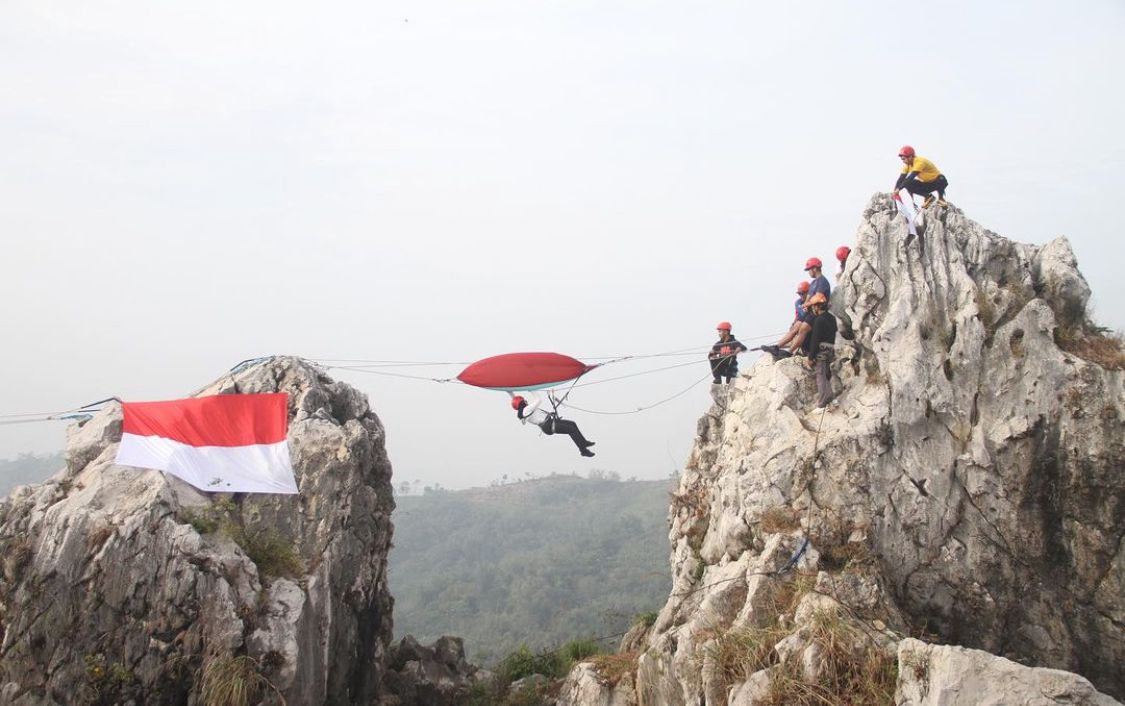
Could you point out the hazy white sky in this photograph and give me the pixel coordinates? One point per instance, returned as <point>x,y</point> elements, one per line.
<point>186,185</point>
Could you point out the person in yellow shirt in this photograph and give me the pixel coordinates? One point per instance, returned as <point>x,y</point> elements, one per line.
<point>920,176</point>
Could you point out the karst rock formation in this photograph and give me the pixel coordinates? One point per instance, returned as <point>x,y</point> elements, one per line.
<point>122,585</point>
<point>966,489</point>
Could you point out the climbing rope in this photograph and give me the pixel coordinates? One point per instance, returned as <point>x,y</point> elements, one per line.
<point>368,366</point>
<point>85,411</point>
<point>647,407</point>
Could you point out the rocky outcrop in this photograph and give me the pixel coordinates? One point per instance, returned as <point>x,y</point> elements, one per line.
<point>966,485</point>
<point>123,585</point>
<point>939,675</point>
<point>438,675</point>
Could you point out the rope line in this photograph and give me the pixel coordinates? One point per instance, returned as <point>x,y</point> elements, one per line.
<point>394,375</point>
<point>648,407</point>
<point>73,412</point>
<point>368,366</point>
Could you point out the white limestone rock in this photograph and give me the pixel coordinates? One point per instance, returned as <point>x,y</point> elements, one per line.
<point>584,686</point>
<point>109,588</point>
<point>968,483</point>
<point>942,675</point>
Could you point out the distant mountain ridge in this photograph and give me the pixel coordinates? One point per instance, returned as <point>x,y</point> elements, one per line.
<point>28,468</point>
<point>536,562</point>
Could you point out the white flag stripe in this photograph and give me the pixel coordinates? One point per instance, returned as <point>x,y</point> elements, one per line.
<point>257,468</point>
<point>906,208</point>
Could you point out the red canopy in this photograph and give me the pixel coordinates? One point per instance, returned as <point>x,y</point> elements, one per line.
<point>523,371</point>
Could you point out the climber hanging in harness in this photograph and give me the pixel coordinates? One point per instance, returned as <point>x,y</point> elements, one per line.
<point>550,422</point>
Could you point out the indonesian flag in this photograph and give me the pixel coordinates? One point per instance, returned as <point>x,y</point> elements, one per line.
<point>220,444</point>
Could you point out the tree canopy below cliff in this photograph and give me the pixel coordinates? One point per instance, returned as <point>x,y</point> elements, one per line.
<point>534,563</point>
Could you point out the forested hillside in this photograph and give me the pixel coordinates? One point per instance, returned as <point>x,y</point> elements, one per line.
<point>27,468</point>
<point>537,562</point>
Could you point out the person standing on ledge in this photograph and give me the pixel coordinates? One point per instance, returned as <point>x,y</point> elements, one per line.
<point>724,354</point>
<point>822,349</point>
<point>842,253</point>
<point>921,177</point>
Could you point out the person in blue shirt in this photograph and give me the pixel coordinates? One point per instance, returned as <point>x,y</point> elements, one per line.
<point>818,284</point>
<point>795,327</point>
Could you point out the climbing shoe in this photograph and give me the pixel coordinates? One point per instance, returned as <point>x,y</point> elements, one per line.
<point>586,452</point>
<point>929,200</point>
<point>777,352</point>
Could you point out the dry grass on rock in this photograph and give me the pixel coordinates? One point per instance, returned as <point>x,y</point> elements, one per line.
<point>853,670</point>
<point>1100,347</point>
<point>612,669</point>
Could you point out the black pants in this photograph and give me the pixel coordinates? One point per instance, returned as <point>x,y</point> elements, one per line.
<point>565,426</point>
<point>925,188</point>
<point>724,368</point>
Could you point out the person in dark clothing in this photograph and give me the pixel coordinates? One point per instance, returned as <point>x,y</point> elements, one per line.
<point>821,348</point>
<point>550,423</point>
<point>724,354</point>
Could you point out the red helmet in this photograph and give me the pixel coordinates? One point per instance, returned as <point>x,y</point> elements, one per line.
<point>906,151</point>
<point>803,288</point>
<point>842,252</point>
<point>517,401</point>
<point>723,326</point>
<point>813,262</point>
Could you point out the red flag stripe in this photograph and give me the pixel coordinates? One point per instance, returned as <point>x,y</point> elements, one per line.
<point>522,370</point>
<point>222,420</point>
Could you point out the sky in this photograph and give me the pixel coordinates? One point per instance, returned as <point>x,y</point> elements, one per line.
<point>184,186</point>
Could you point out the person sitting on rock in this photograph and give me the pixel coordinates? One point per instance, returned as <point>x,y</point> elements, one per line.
<point>821,348</point>
<point>799,309</point>
<point>842,253</point>
<point>724,354</point>
<point>550,423</point>
<point>817,285</point>
<point>920,177</point>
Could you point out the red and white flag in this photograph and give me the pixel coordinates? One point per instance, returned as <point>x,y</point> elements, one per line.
<point>220,444</point>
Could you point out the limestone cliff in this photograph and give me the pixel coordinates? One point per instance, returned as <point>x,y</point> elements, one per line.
<point>123,585</point>
<point>967,487</point>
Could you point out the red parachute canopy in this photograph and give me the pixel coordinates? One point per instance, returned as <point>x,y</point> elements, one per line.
<point>523,371</point>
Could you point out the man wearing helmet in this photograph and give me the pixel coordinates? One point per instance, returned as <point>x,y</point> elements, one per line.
<point>919,176</point>
<point>550,423</point>
<point>724,354</point>
<point>795,328</point>
<point>842,253</point>
<point>822,347</point>
<point>818,284</point>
